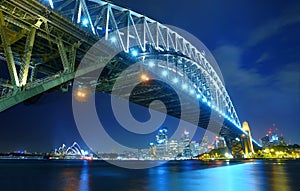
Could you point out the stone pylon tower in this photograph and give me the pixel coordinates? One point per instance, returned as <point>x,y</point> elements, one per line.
<point>247,140</point>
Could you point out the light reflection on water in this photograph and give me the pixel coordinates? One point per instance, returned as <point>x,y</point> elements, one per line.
<point>250,176</point>
<point>84,177</point>
<point>279,178</point>
<point>173,176</point>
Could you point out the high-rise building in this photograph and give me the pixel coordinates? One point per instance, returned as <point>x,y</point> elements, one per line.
<point>173,148</point>
<point>184,145</point>
<point>272,138</point>
<point>203,145</point>
<point>162,137</point>
<point>161,147</point>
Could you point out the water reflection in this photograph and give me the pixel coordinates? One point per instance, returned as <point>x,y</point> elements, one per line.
<point>69,179</point>
<point>279,177</point>
<point>184,175</point>
<point>255,175</point>
<point>75,177</point>
<point>248,176</point>
<point>159,179</point>
<point>84,177</point>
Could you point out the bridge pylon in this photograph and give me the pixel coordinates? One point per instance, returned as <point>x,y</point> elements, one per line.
<point>247,140</point>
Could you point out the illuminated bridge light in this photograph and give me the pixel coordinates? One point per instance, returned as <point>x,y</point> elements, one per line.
<point>145,78</point>
<point>134,53</point>
<point>81,94</point>
<point>204,99</point>
<point>184,86</point>
<point>209,103</point>
<point>85,22</point>
<point>51,4</point>
<point>192,92</point>
<point>175,80</point>
<point>113,39</point>
<point>198,96</point>
<point>164,73</point>
<point>151,64</point>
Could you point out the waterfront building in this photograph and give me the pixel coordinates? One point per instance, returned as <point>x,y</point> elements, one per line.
<point>272,139</point>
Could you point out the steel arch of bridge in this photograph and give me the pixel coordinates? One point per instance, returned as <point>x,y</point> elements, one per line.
<point>102,18</point>
<point>99,19</point>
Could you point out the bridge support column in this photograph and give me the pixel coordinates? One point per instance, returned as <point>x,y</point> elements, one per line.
<point>8,52</point>
<point>23,75</point>
<point>72,56</point>
<point>63,55</point>
<point>247,140</point>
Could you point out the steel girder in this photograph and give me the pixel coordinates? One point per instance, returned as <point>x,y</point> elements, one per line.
<point>70,27</point>
<point>133,29</point>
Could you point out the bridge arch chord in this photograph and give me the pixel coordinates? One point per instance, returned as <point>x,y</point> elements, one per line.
<point>103,19</point>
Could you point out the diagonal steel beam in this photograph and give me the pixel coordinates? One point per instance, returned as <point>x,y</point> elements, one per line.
<point>63,55</point>
<point>8,52</point>
<point>27,57</point>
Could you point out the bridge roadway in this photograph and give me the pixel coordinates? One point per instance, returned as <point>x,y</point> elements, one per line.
<point>43,43</point>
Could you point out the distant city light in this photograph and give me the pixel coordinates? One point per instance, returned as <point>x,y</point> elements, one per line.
<point>134,53</point>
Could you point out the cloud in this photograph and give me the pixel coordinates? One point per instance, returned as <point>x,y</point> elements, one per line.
<point>229,57</point>
<point>263,57</point>
<point>287,80</point>
<point>289,16</point>
<point>259,97</point>
<point>263,32</point>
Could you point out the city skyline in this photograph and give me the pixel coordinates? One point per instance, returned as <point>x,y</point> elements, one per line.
<point>256,49</point>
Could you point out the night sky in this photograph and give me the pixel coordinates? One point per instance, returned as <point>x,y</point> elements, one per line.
<point>256,44</point>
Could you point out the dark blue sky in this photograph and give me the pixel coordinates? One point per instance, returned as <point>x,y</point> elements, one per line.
<point>255,43</point>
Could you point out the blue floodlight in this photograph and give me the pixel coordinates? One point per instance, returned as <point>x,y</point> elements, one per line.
<point>51,4</point>
<point>192,91</point>
<point>134,53</point>
<point>198,96</point>
<point>85,22</point>
<point>175,80</point>
<point>204,99</point>
<point>151,64</point>
<point>113,39</point>
<point>164,73</point>
<point>209,103</point>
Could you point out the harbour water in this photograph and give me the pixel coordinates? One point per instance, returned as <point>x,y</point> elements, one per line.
<point>251,175</point>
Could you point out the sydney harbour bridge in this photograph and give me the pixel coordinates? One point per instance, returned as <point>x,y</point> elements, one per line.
<point>43,43</point>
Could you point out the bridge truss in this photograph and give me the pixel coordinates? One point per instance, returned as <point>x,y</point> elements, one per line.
<point>43,42</point>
